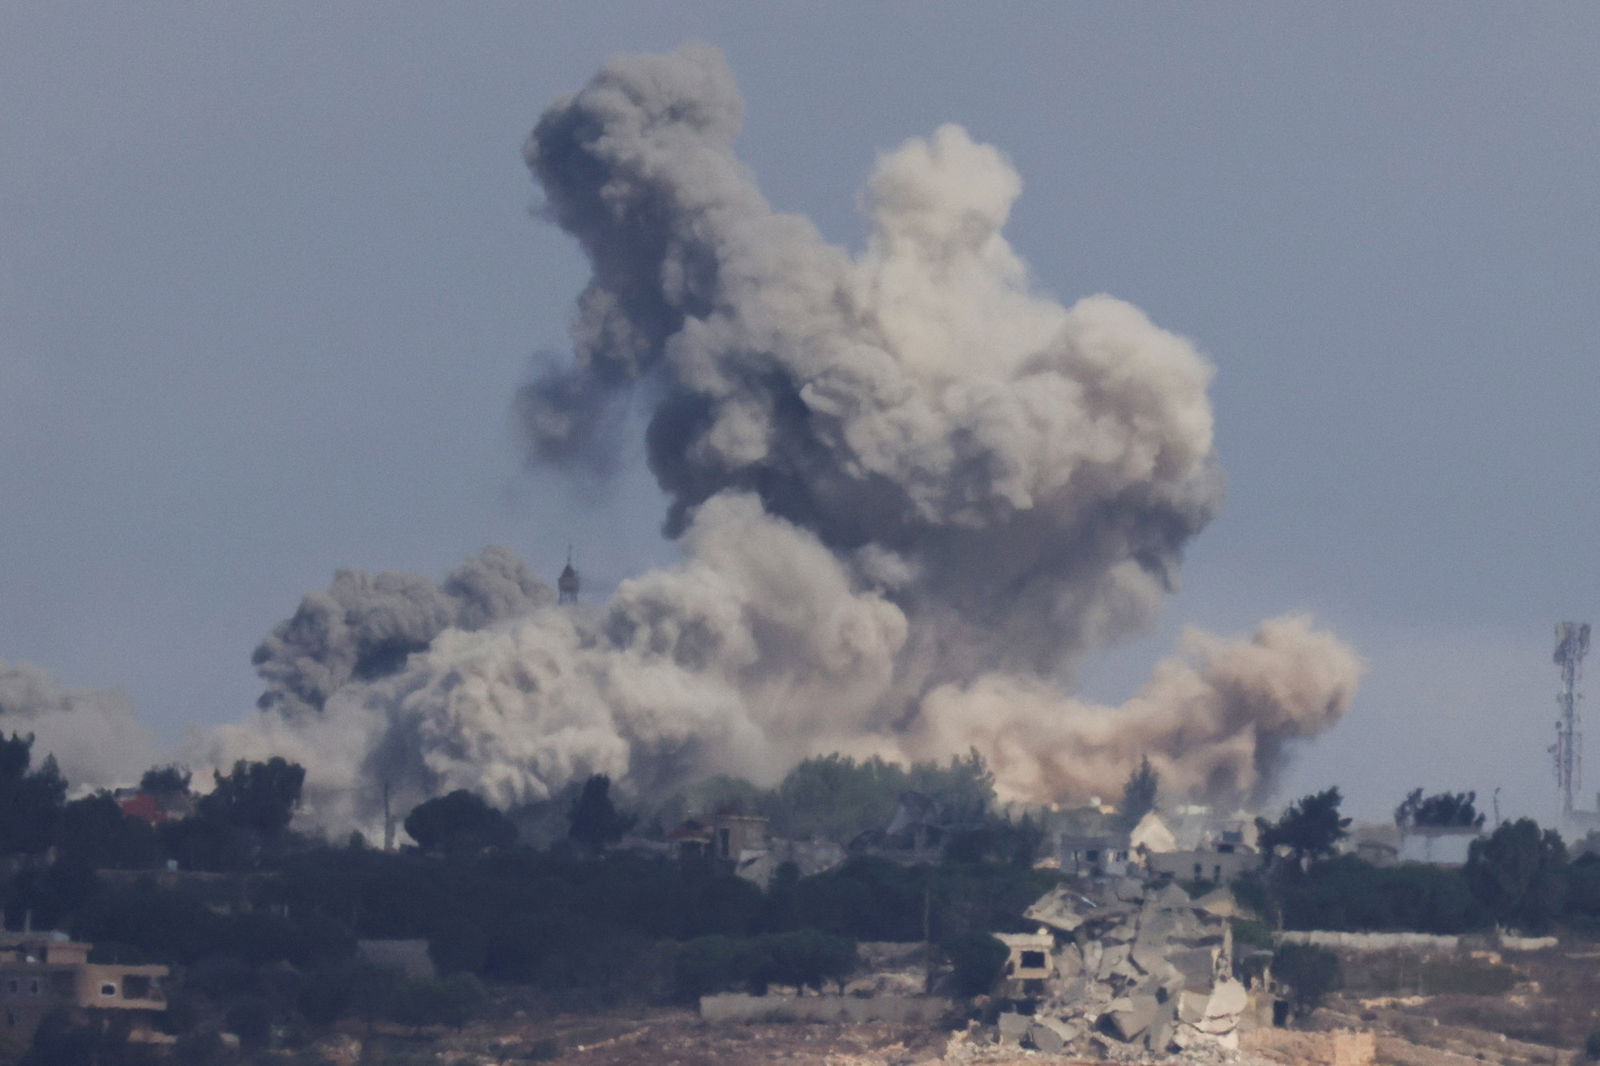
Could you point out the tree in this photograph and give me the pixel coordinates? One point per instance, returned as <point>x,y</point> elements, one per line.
<point>259,796</point>
<point>208,843</point>
<point>60,1041</point>
<point>1519,873</point>
<point>459,823</point>
<point>30,801</point>
<point>1310,828</point>
<point>1138,796</point>
<point>1444,810</point>
<point>978,959</point>
<point>596,822</point>
<point>709,964</point>
<point>458,945</point>
<point>964,787</point>
<point>437,1001</point>
<point>806,958</point>
<point>1310,971</point>
<point>165,781</point>
<point>93,830</point>
<point>250,1019</point>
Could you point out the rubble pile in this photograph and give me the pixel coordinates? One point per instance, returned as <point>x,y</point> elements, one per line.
<point>1136,969</point>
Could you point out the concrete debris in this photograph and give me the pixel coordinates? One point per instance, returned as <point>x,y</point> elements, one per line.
<point>1128,970</point>
<point>1132,1015</point>
<point>1014,1027</point>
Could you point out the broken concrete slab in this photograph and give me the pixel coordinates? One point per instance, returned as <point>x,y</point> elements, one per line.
<point>1111,956</point>
<point>1219,902</point>
<point>1196,965</point>
<point>1121,933</point>
<point>1189,928</point>
<point>1192,1006</point>
<point>1132,1015</point>
<point>1127,973</point>
<point>1131,966</point>
<point>1013,1027</point>
<point>1227,1001</point>
<point>1066,1032</point>
<point>1170,895</point>
<point>1059,909</point>
<point>1160,1038</point>
<point>1108,915</point>
<point>1149,956</point>
<point>1045,1039</point>
<point>1092,950</point>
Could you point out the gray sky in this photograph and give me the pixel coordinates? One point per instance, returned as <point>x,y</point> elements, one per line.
<point>269,277</point>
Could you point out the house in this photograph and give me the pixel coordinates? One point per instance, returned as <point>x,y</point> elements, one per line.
<point>1202,865</point>
<point>721,839</point>
<point>1375,842</point>
<point>1190,843</point>
<point>46,971</point>
<point>1093,856</point>
<point>154,808</point>
<point>1437,846</point>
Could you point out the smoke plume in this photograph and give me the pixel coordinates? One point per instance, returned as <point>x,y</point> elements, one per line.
<point>364,626</point>
<point>92,733</point>
<point>911,493</point>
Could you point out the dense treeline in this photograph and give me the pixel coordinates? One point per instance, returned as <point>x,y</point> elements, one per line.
<point>1518,877</point>
<point>263,924</point>
<point>837,797</point>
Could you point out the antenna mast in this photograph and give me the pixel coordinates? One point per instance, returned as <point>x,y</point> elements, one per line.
<point>1572,643</point>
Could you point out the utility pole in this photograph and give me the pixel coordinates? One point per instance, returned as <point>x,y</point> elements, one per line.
<point>388,819</point>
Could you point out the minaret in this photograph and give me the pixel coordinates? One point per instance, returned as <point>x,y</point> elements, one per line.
<point>567,583</point>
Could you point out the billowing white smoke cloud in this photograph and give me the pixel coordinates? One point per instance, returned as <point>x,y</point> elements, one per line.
<point>92,733</point>
<point>911,493</point>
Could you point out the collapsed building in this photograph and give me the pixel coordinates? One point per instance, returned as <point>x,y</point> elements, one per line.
<point>1129,964</point>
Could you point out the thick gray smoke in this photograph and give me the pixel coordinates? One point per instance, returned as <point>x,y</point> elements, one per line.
<point>93,734</point>
<point>364,626</point>
<point>911,494</point>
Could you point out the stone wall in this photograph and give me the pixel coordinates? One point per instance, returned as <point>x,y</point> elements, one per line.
<point>1415,941</point>
<point>1340,1047</point>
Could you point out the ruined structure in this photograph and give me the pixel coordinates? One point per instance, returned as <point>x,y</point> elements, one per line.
<point>1129,965</point>
<point>41,972</point>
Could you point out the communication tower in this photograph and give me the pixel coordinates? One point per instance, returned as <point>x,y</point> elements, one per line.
<point>1572,643</point>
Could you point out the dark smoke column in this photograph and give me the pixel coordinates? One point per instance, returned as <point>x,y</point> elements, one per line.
<point>911,494</point>
<point>1020,477</point>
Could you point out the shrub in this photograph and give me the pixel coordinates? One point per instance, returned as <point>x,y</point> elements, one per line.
<point>1311,972</point>
<point>250,1019</point>
<point>1248,933</point>
<point>979,960</point>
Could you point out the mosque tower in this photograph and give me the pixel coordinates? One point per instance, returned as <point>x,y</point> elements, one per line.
<point>567,583</point>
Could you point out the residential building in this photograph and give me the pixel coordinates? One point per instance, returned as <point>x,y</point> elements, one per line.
<point>46,971</point>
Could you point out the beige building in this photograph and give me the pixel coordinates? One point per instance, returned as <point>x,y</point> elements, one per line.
<point>45,972</point>
<point>722,838</point>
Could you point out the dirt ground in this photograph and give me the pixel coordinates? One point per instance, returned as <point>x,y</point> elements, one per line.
<point>1527,1010</point>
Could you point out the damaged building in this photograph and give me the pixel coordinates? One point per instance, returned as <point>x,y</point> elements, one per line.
<point>1126,964</point>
